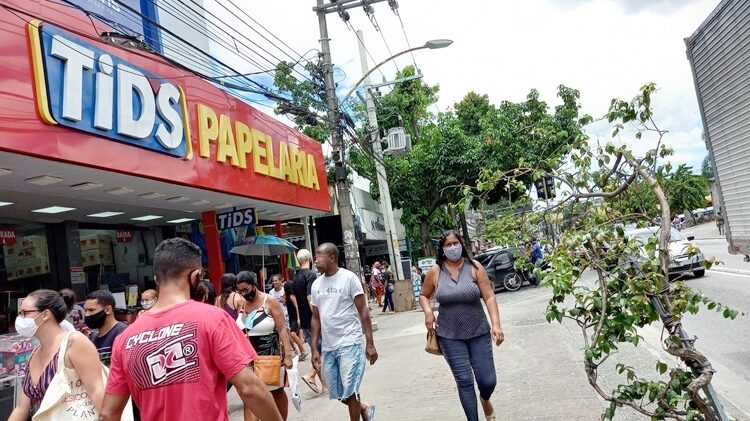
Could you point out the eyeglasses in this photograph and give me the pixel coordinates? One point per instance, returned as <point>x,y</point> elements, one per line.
<point>24,313</point>
<point>244,291</point>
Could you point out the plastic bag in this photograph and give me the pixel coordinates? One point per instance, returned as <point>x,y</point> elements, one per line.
<point>293,377</point>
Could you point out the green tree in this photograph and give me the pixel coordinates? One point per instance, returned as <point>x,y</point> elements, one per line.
<point>307,105</point>
<point>707,168</point>
<point>626,293</point>
<point>686,191</point>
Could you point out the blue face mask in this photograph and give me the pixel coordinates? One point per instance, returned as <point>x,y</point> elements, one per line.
<point>453,253</point>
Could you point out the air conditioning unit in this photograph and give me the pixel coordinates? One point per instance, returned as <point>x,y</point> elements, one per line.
<point>399,143</point>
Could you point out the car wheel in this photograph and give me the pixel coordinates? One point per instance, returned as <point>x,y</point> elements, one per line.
<point>512,281</point>
<point>699,273</point>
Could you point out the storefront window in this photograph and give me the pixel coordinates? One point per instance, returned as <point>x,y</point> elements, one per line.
<point>116,258</point>
<point>24,265</point>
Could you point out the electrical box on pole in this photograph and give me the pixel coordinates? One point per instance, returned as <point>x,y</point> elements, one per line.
<point>399,142</point>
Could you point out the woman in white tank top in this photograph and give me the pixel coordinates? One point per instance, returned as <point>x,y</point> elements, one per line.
<point>265,328</point>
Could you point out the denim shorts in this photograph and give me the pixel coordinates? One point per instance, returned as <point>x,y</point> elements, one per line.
<point>343,370</point>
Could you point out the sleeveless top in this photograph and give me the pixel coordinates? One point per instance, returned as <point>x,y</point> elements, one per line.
<point>261,330</point>
<point>36,393</point>
<point>461,315</point>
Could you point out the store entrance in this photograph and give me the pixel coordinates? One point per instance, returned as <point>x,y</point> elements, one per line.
<point>115,258</point>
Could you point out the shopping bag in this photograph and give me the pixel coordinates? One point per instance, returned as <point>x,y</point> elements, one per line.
<point>66,398</point>
<point>293,377</point>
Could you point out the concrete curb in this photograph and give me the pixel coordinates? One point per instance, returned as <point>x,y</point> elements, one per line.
<point>730,270</point>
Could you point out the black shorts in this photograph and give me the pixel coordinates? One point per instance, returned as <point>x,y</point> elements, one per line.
<point>293,326</point>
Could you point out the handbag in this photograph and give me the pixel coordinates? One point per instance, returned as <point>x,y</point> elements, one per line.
<point>433,346</point>
<point>67,399</point>
<point>269,369</point>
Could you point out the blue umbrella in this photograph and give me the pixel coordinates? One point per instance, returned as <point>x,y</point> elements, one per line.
<point>263,245</point>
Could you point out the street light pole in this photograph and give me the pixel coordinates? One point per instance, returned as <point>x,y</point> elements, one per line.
<point>351,245</point>
<point>394,250</point>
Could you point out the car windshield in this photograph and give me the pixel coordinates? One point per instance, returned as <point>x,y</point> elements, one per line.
<point>484,259</point>
<point>642,237</point>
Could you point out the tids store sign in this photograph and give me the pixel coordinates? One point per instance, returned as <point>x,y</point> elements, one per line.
<point>84,87</point>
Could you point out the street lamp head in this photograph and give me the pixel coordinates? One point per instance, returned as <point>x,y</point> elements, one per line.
<point>438,43</point>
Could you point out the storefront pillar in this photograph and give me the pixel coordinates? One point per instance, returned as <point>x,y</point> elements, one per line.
<point>65,252</point>
<point>280,234</point>
<point>213,248</point>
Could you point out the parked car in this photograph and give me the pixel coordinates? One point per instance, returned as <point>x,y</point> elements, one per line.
<point>498,262</point>
<point>681,262</point>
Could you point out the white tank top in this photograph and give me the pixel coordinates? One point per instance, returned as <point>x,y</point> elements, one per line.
<point>260,322</point>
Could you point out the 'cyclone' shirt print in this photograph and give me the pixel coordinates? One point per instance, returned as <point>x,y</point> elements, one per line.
<point>164,356</point>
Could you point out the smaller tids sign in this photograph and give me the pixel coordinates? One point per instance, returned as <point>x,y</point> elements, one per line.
<point>81,86</point>
<point>236,218</point>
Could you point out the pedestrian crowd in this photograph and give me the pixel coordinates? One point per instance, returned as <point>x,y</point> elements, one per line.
<point>190,344</point>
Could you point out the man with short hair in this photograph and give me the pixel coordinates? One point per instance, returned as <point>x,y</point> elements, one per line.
<point>100,318</point>
<point>340,314</point>
<point>301,284</point>
<point>175,359</point>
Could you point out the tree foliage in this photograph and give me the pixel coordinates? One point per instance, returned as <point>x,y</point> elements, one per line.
<point>686,191</point>
<point>630,288</point>
<point>707,168</point>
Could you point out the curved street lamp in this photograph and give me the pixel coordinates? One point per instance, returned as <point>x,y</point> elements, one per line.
<point>432,45</point>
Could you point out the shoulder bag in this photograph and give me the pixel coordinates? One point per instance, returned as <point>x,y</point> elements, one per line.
<point>67,399</point>
<point>433,346</point>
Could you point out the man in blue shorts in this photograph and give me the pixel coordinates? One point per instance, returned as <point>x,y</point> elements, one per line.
<point>340,313</point>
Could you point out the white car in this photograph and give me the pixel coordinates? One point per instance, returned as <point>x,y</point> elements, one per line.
<point>681,262</point>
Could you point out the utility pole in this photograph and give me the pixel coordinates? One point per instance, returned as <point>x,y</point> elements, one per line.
<point>385,193</point>
<point>351,245</point>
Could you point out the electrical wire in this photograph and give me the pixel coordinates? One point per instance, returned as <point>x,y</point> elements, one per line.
<point>403,29</point>
<point>375,24</point>
<point>361,43</point>
<point>265,29</point>
<point>224,23</point>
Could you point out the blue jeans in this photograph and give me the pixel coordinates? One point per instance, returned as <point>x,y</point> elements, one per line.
<point>469,359</point>
<point>388,301</point>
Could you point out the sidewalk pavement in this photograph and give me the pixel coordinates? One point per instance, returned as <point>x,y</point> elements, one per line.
<point>706,231</point>
<point>539,368</point>
<point>540,374</point>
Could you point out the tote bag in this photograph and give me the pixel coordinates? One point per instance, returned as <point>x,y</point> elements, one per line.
<point>66,398</point>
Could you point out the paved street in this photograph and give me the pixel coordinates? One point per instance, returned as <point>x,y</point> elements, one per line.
<point>540,374</point>
<point>726,342</point>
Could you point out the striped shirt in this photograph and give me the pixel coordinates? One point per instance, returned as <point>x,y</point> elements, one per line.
<point>36,392</point>
<point>461,315</point>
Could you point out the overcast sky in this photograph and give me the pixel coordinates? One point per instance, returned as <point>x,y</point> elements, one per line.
<point>505,48</point>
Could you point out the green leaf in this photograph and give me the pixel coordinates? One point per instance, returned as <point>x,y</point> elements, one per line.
<point>661,367</point>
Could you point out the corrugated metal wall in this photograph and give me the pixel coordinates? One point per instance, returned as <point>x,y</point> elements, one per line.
<point>720,55</point>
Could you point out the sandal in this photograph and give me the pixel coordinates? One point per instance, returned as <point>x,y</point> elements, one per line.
<point>311,385</point>
<point>371,412</point>
<point>303,356</point>
<point>490,417</point>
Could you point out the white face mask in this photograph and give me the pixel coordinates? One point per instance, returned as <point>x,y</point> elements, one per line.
<point>26,326</point>
<point>147,304</point>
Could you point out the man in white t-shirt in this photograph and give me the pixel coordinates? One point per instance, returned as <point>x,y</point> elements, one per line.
<point>340,313</point>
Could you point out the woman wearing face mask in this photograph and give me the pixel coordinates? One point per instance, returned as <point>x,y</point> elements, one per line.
<point>460,284</point>
<point>148,299</point>
<point>39,315</point>
<point>264,325</point>
<point>229,299</point>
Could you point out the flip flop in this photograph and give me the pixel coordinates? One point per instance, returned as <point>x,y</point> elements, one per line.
<point>371,412</point>
<point>303,356</point>
<point>311,385</point>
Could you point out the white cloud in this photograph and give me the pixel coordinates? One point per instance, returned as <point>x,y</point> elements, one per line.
<point>604,48</point>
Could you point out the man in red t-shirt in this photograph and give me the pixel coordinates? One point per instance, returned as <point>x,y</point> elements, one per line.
<point>176,358</point>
